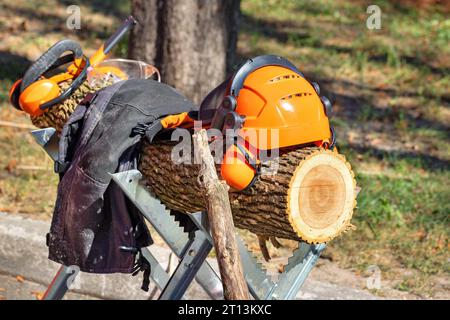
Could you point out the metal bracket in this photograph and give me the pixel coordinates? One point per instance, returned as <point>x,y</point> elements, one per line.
<point>48,140</point>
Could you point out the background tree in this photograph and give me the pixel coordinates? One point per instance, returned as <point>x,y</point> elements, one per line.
<point>192,42</point>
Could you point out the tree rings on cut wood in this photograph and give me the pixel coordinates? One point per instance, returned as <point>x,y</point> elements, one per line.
<point>321,196</point>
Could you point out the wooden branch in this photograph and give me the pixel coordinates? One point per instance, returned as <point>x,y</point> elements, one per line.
<point>262,241</point>
<point>220,222</point>
<point>16,125</point>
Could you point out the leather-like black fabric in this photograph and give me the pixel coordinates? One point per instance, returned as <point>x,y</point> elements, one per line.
<point>92,217</point>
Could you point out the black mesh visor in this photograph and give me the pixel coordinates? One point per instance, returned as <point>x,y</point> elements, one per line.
<point>213,100</point>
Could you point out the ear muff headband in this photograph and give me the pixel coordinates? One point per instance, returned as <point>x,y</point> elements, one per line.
<point>51,60</point>
<point>257,63</point>
<point>48,59</point>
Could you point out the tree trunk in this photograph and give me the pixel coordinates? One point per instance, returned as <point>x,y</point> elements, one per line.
<point>220,222</point>
<point>192,42</point>
<point>144,38</point>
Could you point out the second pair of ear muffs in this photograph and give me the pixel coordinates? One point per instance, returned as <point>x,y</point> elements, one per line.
<point>34,93</point>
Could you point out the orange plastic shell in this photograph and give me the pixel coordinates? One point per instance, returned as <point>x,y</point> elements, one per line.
<point>277,98</point>
<point>177,120</point>
<point>13,88</point>
<point>37,94</point>
<point>235,170</point>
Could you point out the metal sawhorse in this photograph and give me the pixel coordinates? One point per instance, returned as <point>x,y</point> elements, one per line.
<point>190,246</point>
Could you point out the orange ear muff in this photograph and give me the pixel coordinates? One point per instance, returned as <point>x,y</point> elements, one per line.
<point>238,167</point>
<point>33,93</point>
<point>36,94</point>
<point>14,94</point>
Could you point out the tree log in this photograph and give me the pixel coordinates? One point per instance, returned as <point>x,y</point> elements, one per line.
<point>220,222</point>
<point>310,198</point>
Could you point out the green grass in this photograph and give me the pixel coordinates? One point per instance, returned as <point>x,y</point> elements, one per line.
<point>407,214</point>
<point>403,207</point>
<point>402,218</point>
<point>317,29</point>
<point>22,188</point>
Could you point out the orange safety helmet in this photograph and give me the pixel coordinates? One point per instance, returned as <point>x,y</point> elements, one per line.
<point>270,105</point>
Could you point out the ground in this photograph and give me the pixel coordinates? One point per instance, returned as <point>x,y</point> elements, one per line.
<point>391,96</point>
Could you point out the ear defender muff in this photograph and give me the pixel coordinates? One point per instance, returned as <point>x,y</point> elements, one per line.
<point>239,168</point>
<point>34,95</point>
<point>14,94</point>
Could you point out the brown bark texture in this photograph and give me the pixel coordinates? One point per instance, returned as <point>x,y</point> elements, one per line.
<point>192,42</point>
<point>263,209</point>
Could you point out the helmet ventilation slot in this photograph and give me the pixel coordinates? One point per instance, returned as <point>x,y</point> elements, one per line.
<point>284,77</point>
<point>296,95</point>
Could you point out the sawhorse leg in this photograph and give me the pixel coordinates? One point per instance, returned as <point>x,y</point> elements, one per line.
<point>195,254</point>
<point>66,276</point>
<point>172,234</point>
<point>59,285</point>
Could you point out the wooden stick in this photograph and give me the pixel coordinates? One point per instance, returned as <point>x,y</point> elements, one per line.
<point>262,241</point>
<point>220,222</point>
<point>39,168</point>
<point>16,125</point>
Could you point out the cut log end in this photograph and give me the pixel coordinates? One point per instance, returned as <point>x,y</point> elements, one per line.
<point>321,197</point>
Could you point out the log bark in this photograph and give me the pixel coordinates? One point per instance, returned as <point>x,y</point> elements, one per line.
<point>220,222</point>
<point>310,198</point>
